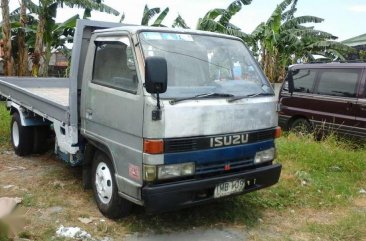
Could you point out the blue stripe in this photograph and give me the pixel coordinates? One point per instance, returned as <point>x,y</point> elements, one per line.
<point>218,154</point>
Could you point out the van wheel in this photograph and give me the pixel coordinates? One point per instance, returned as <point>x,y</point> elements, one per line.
<point>21,136</point>
<point>105,190</point>
<point>40,144</point>
<point>301,126</point>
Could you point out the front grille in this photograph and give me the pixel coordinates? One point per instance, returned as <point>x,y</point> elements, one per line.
<point>203,142</point>
<point>263,135</point>
<point>219,167</point>
<point>181,145</point>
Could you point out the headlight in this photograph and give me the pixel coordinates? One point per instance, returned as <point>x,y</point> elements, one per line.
<point>265,156</point>
<point>177,170</point>
<point>168,171</point>
<point>149,173</point>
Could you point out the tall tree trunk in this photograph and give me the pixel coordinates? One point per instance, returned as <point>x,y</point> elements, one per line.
<point>47,57</point>
<point>23,49</point>
<point>6,28</point>
<point>38,48</point>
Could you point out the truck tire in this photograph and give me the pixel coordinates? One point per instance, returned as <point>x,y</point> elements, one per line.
<point>40,144</point>
<point>21,136</point>
<point>301,126</point>
<point>105,188</point>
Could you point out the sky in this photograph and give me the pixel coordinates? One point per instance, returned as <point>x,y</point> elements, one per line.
<point>342,18</point>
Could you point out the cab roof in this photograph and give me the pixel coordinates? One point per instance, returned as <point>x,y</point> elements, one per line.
<point>133,29</point>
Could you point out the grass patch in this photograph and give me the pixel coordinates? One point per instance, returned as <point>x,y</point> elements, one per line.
<point>315,174</point>
<point>4,126</point>
<point>350,228</point>
<point>236,210</point>
<point>4,232</point>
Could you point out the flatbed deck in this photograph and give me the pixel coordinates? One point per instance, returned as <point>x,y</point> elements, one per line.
<point>47,95</point>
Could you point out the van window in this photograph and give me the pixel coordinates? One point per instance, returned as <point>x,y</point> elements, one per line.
<point>114,66</point>
<point>304,80</point>
<point>339,82</point>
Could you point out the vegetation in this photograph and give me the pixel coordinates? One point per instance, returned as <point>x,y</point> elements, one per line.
<point>280,41</point>
<point>283,40</point>
<point>40,30</point>
<point>4,126</point>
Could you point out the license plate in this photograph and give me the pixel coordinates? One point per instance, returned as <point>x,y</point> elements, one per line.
<point>228,188</point>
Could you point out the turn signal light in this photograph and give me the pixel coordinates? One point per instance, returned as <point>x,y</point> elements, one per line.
<point>278,132</point>
<point>154,146</point>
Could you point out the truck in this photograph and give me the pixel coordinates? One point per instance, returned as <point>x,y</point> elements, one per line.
<point>158,117</point>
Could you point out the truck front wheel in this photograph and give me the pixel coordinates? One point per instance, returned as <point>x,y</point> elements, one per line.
<point>21,136</point>
<point>105,189</point>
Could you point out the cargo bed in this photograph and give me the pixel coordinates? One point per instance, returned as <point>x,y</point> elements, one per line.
<point>50,96</point>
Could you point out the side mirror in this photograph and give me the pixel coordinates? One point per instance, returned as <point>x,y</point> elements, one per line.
<point>290,81</point>
<point>156,75</point>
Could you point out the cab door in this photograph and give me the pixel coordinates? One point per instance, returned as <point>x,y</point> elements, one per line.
<point>361,109</point>
<point>112,105</point>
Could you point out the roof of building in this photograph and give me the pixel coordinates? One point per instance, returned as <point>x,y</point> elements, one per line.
<point>355,41</point>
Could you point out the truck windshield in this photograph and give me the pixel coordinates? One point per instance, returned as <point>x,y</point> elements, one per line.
<point>201,64</point>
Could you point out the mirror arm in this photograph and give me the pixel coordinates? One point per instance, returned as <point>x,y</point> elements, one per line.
<point>156,114</point>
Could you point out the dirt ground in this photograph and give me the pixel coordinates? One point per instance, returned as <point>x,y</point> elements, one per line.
<point>53,197</point>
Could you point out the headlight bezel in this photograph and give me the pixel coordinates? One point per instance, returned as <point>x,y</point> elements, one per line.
<point>264,156</point>
<point>185,169</point>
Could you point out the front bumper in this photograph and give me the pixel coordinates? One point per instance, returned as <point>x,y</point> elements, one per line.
<point>165,197</point>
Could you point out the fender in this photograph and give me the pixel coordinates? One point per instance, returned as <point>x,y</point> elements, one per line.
<point>27,118</point>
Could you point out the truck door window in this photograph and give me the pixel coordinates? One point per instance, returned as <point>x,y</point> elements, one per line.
<point>114,66</point>
<point>339,82</point>
<point>304,80</point>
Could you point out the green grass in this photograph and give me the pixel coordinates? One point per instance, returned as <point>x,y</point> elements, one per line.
<point>349,228</point>
<point>316,174</point>
<point>4,126</point>
<point>4,232</point>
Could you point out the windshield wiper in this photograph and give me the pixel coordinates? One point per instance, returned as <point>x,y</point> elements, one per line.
<point>250,96</point>
<point>200,96</point>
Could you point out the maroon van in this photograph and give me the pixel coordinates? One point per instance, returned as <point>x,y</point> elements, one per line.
<point>330,96</point>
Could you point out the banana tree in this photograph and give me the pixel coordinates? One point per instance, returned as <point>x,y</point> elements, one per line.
<point>179,22</point>
<point>149,13</point>
<point>20,21</point>
<point>46,12</point>
<point>6,34</point>
<point>218,19</point>
<point>283,40</point>
<point>56,37</point>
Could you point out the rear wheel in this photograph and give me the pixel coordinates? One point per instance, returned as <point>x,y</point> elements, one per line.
<point>21,136</point>
<point>301,126</point>
<point>105,188</point>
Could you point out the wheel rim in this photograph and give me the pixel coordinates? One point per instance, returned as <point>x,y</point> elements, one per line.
<point>15,134</point>
<point>103,183</point>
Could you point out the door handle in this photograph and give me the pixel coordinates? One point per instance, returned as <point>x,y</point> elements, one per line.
<point>89,113</point>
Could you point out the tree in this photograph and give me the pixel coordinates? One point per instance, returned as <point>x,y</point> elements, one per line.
<point>283,40</point>
<point>46,12</point>
<point>218,20</point>
<point>179,22</point>
<point>22,57</point>
<point>149,13</point>
<point>6,31</point>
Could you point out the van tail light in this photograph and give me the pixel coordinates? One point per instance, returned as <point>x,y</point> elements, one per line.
<point>153,146</point>
<point>278,132</point>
